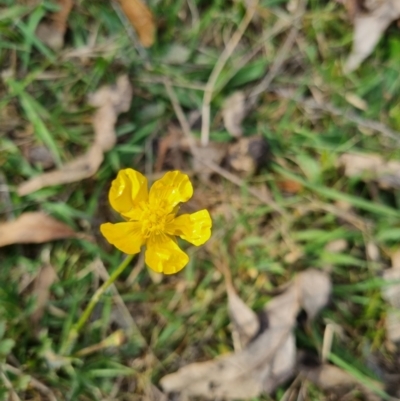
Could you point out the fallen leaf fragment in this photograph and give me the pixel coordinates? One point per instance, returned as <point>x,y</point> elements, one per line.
<point>395,258</point>
<point>248,154</point>
<point>152,393</point>
<point>268,359</point>
<point>233,113</point>
<point>289,186</point>
<point>40,155</point>
<point>169,143</point>
<point>142,20</point>
<point>368,28</point>
<point>110,100</point>
<point>33,227</point>
<point>315,290</point>
<point>41,289</point>
<point>336,246</point>
<point>213,152</point>
<point>353,7</point>
<point>356,101</point>
<point>82,167</point>
<point>372,167</point>
<point>391,294</point>
<point>245,321</point>
<point>331,378</point>
<point>52,32</point>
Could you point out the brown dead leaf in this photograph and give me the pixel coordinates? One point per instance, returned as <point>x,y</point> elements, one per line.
<point>41,288</point>
<point>170,142</point>
<point>269,359</point>
<point>142,20</point>
<point>33,227</point>
<point>336,246</point>
<point>373,167</point>
<point>233,113</point>
<point>40,155</point>
<point>52,32</point>
<point>353,7</point>
<point>331,378</point>
<point>248,154</point>
<point>245,320</point>
<point>369,25</point>
<point>289,186</point>
<point>213,152</point>
<point>110,101</point>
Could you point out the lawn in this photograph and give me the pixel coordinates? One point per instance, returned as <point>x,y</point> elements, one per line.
<point>285,204</point>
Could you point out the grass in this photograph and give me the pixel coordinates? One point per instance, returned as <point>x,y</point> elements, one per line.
<point>184,318</point>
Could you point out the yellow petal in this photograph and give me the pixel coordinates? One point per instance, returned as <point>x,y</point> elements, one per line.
<point>127,190</point>
<point>175,187</point>
<point>127,237</point>
<point>163,255</point>
<point>194,228</point>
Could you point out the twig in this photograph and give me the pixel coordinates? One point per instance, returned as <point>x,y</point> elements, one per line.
<point>214,166</point>
<point>209,89</point>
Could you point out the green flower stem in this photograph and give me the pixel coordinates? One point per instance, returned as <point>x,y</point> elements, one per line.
<point>76,328</point>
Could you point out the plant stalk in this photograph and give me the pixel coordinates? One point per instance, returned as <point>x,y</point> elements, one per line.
<point>76,328</point>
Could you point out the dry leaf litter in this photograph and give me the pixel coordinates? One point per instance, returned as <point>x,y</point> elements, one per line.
<point>110,101</point>
<point>267,357</point>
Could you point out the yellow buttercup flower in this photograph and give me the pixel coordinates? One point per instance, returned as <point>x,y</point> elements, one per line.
<point>152,221</point>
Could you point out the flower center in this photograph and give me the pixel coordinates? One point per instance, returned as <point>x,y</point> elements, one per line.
<point>153,220</point>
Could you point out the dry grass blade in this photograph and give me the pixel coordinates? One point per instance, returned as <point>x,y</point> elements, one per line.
<point>209,89</point>
<point>142,20</point>
<point>110,101</point>
<point>33,227</point>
